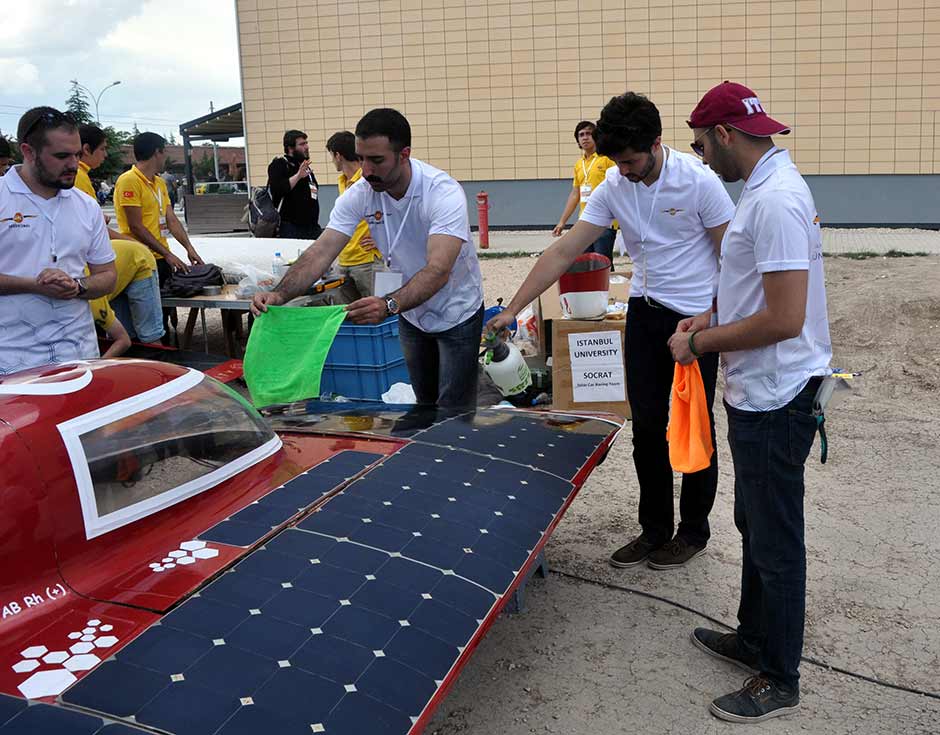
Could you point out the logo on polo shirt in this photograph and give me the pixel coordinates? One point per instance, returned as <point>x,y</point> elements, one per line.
<point>375,217</point>
<point>672,211</point>
<point>17,219</point>
<point>128,194</point>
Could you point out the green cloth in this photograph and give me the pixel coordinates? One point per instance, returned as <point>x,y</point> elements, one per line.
<point>286,351</point>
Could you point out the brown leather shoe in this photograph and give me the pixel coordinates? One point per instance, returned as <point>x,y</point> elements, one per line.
<point>636,552</point>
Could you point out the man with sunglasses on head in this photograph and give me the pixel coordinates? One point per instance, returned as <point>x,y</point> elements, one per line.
<point>773,332</point>
<point>48,235</point>
<point>673,212</point>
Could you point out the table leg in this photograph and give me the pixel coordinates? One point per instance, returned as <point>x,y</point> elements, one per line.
<point>188,329</point>
<point>205,332</point>
<point>229,320</point>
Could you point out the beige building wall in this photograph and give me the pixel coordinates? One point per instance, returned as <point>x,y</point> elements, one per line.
<point>493,90</point>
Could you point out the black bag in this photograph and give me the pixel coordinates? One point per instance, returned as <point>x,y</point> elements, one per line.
<point>263,217</point>
<point>184,285</point>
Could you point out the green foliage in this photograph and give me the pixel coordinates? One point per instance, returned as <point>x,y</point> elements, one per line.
<point>78,105</point>
<point>172,139</point>
<point>113,165</point>
<point>204,166</point>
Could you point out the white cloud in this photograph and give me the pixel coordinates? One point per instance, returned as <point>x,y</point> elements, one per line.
<point>18,75</point>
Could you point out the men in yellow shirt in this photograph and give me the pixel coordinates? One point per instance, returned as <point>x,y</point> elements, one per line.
<point>137,292</point>
<point>142,206</point>
<point>360,258</point>
<point>589,172</point>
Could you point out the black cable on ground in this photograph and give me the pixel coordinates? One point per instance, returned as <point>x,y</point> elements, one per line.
<point>709,618</point>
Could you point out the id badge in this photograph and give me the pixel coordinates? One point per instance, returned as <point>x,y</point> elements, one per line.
<point>385,282</point>
<point>164,229</point>
<point>585,192</point>
<point>313,191</point>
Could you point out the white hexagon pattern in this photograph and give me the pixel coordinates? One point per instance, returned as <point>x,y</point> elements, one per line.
<point>188,552</point>
<point>49,682</point>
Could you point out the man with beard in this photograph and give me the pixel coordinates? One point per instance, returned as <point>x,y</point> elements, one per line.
<point>417,215</point>
<point>673,213</point>
<point>294,188</point>
<point>48,235</point>
<point>773,333</point>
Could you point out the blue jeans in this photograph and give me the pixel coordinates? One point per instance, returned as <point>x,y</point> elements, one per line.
<point>138,309</point>
<point>769,449</point>
<point>604,245</point>
<point>443,365</point>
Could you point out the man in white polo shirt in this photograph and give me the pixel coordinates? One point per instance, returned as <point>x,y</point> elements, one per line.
<point>48,234</point>
<point>773,335</point>
<point>417,215</point>
<point>673,212</point>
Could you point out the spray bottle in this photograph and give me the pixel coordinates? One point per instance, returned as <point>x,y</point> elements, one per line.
<point>505,366</point>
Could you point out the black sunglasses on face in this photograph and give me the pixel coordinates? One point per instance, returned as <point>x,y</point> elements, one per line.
<point>53,119</point>
<point>698,148</point>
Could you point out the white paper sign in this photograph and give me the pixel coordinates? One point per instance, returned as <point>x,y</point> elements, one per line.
<point>597,373</point>
<point>385,282</point>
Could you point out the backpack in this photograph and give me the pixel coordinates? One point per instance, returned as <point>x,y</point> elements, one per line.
<point>184,285</point>
<point>263,217</point>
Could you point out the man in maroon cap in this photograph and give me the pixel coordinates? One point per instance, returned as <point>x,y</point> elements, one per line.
<point>773,333</point>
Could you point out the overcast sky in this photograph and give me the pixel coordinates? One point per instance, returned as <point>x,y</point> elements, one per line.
<point>171,56</point>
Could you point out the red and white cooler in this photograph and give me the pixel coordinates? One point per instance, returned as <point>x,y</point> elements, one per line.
<point>583,289</point>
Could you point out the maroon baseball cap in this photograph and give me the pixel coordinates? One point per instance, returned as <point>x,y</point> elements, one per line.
<point>738,107</point>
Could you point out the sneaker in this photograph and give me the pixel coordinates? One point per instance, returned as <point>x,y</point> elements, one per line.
<point>759,700</point>
<point>633,553</point>
<point>677,553</point>
<point>724,646</point>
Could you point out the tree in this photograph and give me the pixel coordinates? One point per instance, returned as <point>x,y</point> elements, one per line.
<point>204,167</point>
<point>78,105</point>
<point>114,165</point>
<point>172,139</point>
<point>135,130</point>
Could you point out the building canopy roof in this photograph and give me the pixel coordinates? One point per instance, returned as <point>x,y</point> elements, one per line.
<point>220,125</point>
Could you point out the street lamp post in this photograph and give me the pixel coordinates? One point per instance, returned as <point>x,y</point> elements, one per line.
<point>98,98</point>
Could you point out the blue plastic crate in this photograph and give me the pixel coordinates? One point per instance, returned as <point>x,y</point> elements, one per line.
<point>366,345</point>
<point>363,381</point>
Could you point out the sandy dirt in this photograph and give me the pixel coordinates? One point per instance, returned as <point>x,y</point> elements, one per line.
<point>592,659</point>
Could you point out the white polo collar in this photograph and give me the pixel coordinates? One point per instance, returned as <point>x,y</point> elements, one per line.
<point>16,184</point>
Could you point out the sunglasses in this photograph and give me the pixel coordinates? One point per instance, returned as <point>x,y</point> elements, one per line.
<point>52,119</point>
<point>698,148</point>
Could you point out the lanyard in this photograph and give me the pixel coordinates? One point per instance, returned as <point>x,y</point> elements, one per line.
<point>393,243</point>
<point>644,232</point>
<point>587,170</point>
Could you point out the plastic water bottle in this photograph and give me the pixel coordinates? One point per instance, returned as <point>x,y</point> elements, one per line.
<point>278,267</point>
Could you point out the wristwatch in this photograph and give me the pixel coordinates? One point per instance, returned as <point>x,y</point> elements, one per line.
<point>82,288</point>
<point>391,306</point>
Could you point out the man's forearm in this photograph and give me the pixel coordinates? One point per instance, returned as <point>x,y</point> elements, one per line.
<point>145,236</point>
<point>420,287</point>
<point>179,232</point>
<point>308,268</point>
<point>758,330</point>
<point>10,285</point>
<point>99,284</point>
<point>570,206</point>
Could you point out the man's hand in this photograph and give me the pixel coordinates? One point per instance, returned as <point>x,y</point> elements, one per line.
<point>370,310</point>
<point>194,257</point>
<point>557,230</point>
<point>367,243</point>
<point>263,299</point>
<point>175,263</point>
<point>56,284</point>
<point>679,347</point>
<point>695,323</point>
<point>501,322</point>
<point>304,167</point>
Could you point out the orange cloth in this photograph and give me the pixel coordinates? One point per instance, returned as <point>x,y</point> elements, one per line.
<point>689,432</point>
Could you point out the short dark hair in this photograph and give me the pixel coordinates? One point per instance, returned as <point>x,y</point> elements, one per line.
<point>5,150</point>
<point>291,137</point>
<point>343,143</point>
<point>388,122</point>
<point>581,126</point>
<point>35,122</point>
<point>628,121</point>
<point>146,145</point>
<point>92,136</point>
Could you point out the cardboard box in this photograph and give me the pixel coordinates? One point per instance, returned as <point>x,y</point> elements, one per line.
<point>563,375</point>
<point>548,307</point>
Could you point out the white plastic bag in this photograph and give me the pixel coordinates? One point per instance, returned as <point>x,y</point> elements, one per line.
<point>253,280</point>
<point>400,393</point>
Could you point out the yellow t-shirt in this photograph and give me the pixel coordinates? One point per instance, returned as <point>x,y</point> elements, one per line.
<point>83,180</point>
<point>102,312</point>
<point>133,189</point>
<point>590,172</point>
<point>133,261</point>
<point>353,254</point>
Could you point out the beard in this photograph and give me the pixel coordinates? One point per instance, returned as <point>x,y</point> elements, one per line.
<point>46,178</point>
<point>647,170</point>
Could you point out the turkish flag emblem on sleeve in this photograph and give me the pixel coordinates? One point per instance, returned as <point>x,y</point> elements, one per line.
<point>128,194</point>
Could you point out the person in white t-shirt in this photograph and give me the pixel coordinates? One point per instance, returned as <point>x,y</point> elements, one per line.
<point>773,335</point>
<point>48,235</point>
<point>672,212</point>
<point>417,215</point>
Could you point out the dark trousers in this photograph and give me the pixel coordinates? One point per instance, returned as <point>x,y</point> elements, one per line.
<point>443,366</point>
<point>298,232</point>
<point>650,369</point>
<point>769,449</point>
<point>604,245</point>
